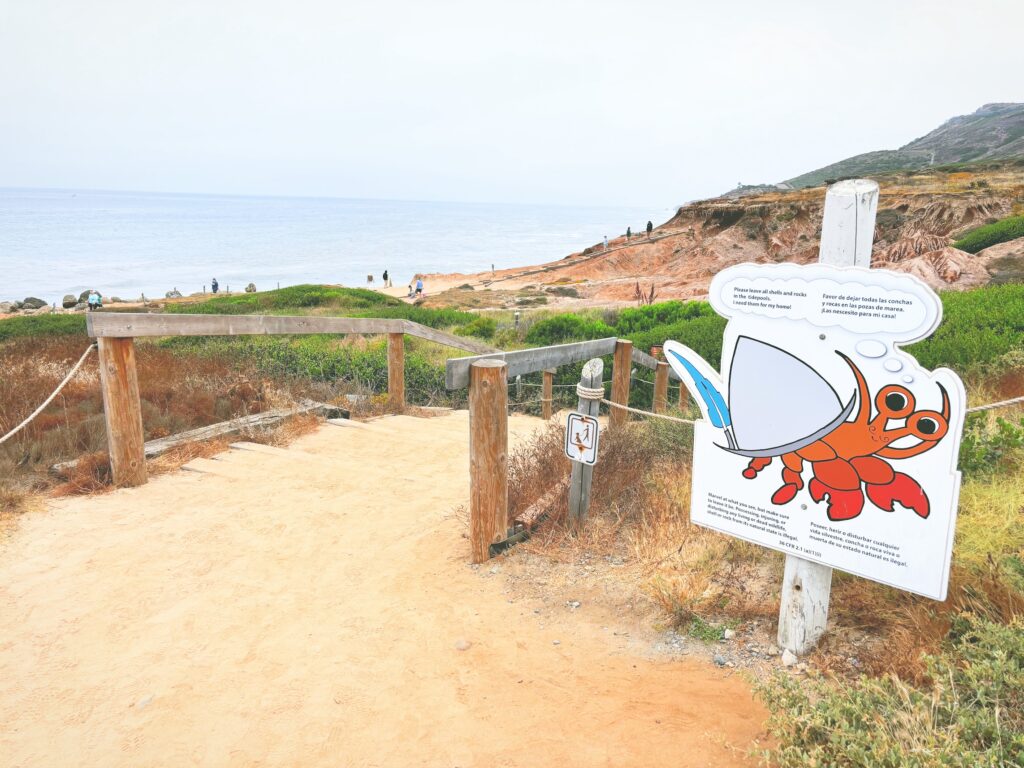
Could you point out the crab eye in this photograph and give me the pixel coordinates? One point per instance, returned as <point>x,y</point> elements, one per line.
<point>895,401</point>
<point>927,426</point>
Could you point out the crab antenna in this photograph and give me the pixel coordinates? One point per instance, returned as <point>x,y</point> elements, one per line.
<point>863,395</point>
<point>945,402</point>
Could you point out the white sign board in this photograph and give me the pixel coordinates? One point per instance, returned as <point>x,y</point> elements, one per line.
<point>821,438</point>
<point>581,436</point>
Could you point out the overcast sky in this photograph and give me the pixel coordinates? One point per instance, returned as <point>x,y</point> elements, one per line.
<point>621,103</point>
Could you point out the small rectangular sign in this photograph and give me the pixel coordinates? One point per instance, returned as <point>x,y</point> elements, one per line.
<point>581,436</point>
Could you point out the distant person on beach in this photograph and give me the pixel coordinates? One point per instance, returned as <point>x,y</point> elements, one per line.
<point>95,302</point>
<point>419,286</point>
<point>214,285</point>
<point>385,278</point>
<point>649,228</point>
<point>629,233</point>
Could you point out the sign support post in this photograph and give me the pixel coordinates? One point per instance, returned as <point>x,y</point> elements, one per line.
<point>582,474</point>
<point>847,232</point>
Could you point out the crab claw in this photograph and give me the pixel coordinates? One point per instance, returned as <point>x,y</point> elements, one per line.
<point>785,494</point>
<point>842,505</point>
<point>902,488</point>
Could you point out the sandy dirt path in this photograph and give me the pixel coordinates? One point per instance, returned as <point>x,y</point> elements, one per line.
<point>313,606</point>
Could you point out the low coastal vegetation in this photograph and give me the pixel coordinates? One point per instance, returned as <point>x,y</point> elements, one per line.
<point>929,683</point>
<point>991,234</point>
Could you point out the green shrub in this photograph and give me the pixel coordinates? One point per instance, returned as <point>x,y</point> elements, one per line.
<point>344,302</point>
<point>978,327</point>
<point>647,318</point>
<point>986,453</point>
<point>565,328</point>
<point>42,325</point>
<point>481,327</point>
<point>971,715</point>
<point>991,234</point>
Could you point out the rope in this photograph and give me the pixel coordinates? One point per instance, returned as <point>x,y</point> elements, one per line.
<point>1000,404</point>
<point>589,393</point>
<point>49,400</point>
<point>646,413</point>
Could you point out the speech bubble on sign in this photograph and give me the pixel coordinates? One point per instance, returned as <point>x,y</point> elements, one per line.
<point>868,302</point>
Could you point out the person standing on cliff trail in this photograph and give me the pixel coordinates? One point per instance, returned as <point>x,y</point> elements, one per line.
<point>649,228</point>
<point>629,233</point>
<point>385,279</point>
<point>606,242</point>
<point>419,286</point>
<point>214,285</point>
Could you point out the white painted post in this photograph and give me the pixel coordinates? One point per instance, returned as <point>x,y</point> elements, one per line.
<point>582,474</point>
<point>847,231</point>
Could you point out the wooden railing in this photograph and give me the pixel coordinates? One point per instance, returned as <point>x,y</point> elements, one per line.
<point>122,409</point>
<point>487,377</point>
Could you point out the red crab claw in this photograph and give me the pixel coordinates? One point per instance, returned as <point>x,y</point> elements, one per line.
<point>842,505</point>
<point>905,490</point>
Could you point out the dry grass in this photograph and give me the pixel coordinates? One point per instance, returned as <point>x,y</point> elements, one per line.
<point>640,513</point>
<point>179,391</point>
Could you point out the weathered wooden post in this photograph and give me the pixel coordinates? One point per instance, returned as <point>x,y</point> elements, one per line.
<point>488,455</point>
<point>661,387</point>
<point>546,396</point>
<point>621,365</point>
<point>847,231</point>
<point>684,396</point>
<point>396,371</point>
<point>122,411</point>
<point>582,474</point>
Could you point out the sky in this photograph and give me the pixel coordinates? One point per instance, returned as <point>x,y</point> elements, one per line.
<point>637,103</point>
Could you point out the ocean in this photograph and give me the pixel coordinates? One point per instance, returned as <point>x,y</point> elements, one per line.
<point>56,242</point>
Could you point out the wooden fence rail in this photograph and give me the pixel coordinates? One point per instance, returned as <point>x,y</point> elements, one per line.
<point>116,332</point>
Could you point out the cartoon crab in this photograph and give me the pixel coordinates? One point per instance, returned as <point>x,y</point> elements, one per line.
<point>845,455</point>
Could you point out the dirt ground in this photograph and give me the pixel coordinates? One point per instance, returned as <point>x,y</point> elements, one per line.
<point>314,606</point>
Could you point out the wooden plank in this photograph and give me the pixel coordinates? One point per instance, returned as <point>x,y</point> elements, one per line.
<point>532,515</point>
<point>621,368</point>
<point>122,411</point>
<point>582,475</point>
<point>547,395</point>
<point>661,388</point>
<point>121,324</point>
<point>647,361</point>
<point>448,339</point>
<point>488,456</point>
<point>396,371</point>
<point>529,360</point>
<point>231,427</point>
<point>848,226</point>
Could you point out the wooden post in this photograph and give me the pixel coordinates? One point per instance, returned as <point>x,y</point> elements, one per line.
<point>684,396</point>
<point>661,388</point>
<point>847,230</point>
<point>396,371</point>
<point>546,394</point>
<point>122,411</point>
<point>621,366</point>
<point>488,456</point>
<point>582,474</point>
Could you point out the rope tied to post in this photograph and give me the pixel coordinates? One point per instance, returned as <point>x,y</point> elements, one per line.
<point>49,400</point>
<point>589,393</point>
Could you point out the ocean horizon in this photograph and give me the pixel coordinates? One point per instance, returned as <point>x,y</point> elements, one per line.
<point>55,242</point>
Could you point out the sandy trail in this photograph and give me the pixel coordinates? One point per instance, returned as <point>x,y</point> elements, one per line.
<point>306,607</point>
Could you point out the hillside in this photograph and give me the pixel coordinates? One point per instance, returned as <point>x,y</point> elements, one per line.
<point>921,214</point>
<point>993,132</point>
